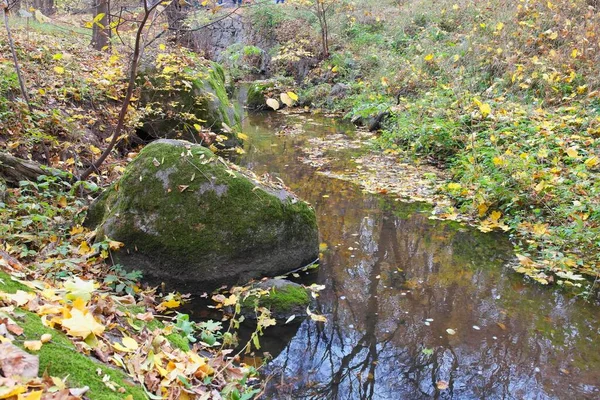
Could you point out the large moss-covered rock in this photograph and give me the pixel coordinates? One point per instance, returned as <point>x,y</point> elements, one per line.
<point>193,221</point>
<point>178,99</point>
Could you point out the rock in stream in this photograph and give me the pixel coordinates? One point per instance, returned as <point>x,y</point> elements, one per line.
<point>194,221</point>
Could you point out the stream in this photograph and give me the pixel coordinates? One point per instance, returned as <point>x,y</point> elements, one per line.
<point>416,308</point>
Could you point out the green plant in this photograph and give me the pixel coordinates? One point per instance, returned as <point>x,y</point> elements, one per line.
<point>121,281</point>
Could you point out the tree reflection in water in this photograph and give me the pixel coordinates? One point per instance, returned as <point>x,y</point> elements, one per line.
<point>396,281</point>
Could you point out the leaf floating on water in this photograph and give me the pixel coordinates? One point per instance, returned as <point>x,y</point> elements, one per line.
<point>442,385</point>
<point>315,317</point>
<point>274,104</point>
<point>451,331</point>
<point>476,328</point>
<point>290,319</point>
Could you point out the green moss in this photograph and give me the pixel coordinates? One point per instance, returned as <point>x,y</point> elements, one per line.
<point>59,358</point>
<point>9,286</point>
<point>282,299</point>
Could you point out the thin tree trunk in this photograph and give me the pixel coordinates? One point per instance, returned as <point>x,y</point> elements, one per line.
<point>100,30</point>
<point>14,56</point>
<point>137,52</point>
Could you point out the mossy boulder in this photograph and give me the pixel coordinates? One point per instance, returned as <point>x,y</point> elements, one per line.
<point>284,298</point>
<point>194,221</point>
<point>179,99</point>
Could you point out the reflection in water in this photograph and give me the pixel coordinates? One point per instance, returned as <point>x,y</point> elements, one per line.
<point>396,281</point>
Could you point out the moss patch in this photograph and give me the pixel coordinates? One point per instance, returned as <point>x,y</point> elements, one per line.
<point>60,358</point>
<point>8,285</point>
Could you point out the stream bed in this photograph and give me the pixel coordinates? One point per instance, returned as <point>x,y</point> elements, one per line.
<point>417,308</point>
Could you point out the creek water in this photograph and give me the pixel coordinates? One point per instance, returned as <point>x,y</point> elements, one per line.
<point>416,308</point>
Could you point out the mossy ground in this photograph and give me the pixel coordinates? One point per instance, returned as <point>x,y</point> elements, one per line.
<point>59,358</point>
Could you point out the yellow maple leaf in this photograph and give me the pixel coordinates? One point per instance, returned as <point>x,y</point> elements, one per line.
<point>231,300</point>
<point>82,325</point>
<point>35,395</point>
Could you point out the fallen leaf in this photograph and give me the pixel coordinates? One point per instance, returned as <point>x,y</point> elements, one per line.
<point>82,325</point>
<point>14,361</point>
<point>33,345</point>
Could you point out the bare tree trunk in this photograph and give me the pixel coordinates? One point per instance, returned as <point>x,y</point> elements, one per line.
<point>176,15</point>
<point>133,68</point>
<point>100,30</point>
<point>14,55</point>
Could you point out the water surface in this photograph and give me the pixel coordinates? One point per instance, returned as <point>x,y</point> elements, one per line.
<point>396,281</point>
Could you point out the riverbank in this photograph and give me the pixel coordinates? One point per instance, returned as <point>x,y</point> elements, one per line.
<point>503,96</point>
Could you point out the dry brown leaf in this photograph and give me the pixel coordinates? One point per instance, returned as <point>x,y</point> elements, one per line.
<point>14,361</point>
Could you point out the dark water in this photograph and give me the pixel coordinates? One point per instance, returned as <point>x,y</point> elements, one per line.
<point>396,281</point>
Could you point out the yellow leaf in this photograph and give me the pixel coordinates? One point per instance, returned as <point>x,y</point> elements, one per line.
<point>495,216</point>
<point>76,229</point>
<point>334,69</point>
<point>114,245</point>
<point>84,248</point>
<point>485,109</point>
<point>454,186</point>
<point>129,345</point>
<point>162,47</point>
<point>293,96</point>
<point>80,325</point>
<point>574,53</point>
<point>591,162</point>
<point>95,150</point>
<point>59,70</point>
<point>384,81</point>
<point>41,92</point>
<point>57,56</point>
<point>78,288</point>
<point>455,7</point>
<point>499,26</point>
<point>553,36</point>
<point>46,337</point>
<point>482,209</point>
<point>428,57</point>
<point>8,392</point>
<point>170,304</point>
<point>572,152</point>
<point>540,229</point>
<point>33,345</point>
<point>231,300</point>
<point>242,136</point>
